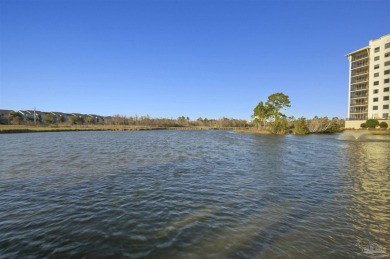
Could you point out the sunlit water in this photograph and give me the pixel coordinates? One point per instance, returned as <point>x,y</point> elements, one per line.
<point>194,194</point>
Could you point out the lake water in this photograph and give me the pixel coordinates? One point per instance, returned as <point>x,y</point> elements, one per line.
<point>194,194</point>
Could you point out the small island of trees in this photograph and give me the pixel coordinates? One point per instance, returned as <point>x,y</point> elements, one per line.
<point>268,118</point>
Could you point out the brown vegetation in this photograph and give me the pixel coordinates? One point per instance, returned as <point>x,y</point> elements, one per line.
<point>124,123</point>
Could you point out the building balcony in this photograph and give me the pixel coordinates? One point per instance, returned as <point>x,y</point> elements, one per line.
<point>359,74</point>
<point>359,81</point>
<point>361,88</point>
<point>359,78</point>
<point>359,66</point>
<point>358,109</point>
<point>358,117</point>
<point>360,70</point>
<point>359,96</point>
<point>358,112</point>
<point>359,101</point>
<point>359,106</point>
<point>359,57</point>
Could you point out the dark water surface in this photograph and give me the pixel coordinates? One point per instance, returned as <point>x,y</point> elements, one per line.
<point>194,194</point>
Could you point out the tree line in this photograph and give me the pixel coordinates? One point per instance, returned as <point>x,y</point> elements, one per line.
<point>181,121</point>
<point>16,118</point>
<point>268,116</point>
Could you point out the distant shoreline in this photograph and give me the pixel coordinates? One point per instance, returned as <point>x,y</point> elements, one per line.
<point>252,130</point>
<point>6,129</point>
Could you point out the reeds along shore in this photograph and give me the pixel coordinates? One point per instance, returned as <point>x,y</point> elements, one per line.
<point>61,128</point>
<point>26,129</point>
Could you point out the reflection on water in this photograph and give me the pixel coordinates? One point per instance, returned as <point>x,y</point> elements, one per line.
<point>193,194</point>
<point>369,171</point>
<point>363,136</point>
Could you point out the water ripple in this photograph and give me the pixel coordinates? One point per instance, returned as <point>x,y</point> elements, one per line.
<point>193,194</point>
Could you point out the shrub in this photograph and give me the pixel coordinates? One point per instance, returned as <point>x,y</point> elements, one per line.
<point>335,125</point>
<point>363,125</point>
<point>49,118</point>
<point>383,125</point>
<point>279,127</point>
<point>372,123</point>
<point>75,120</point>
<point>300,127</point>
<point>15,118</point>
<point>90,120</point>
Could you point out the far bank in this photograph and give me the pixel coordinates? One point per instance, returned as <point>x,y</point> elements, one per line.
<point>62,128</point>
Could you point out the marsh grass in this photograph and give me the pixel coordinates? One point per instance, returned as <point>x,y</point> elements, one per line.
<point>59,128</point>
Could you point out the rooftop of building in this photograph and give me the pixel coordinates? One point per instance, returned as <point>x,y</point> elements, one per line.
<point>357,51</point>
<point>367,47</point>
<point>380,38</point>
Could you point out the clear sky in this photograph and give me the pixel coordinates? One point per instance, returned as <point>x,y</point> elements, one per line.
<point>193,58</point>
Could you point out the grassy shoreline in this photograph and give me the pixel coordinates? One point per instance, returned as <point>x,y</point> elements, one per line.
<point>64,128</point>
<point>252,130</point>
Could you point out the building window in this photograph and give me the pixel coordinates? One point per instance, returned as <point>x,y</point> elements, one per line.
<point>376,58</point>
<point>376,82</point>
<point>387,63</point>
<point>385,107</point>
<point>385,116</point>
<point>375,108</point>
<point>387,54</point>
<point>387,72</point>
<point>375,99</point>
<point>385,98</point>
<point>376,74</point>
<point>386,89</point>
<point>377,49</point>
<point>376,66</point>
<point>387,45</point>
<point>386,80</point>
<point>376,91</point>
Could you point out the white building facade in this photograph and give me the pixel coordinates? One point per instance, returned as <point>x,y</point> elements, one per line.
<point>369,83</point>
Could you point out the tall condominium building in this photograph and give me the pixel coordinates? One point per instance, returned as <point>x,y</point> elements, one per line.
<point>369,82</point>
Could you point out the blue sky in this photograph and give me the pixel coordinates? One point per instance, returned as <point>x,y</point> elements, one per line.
<point>182,58</point>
